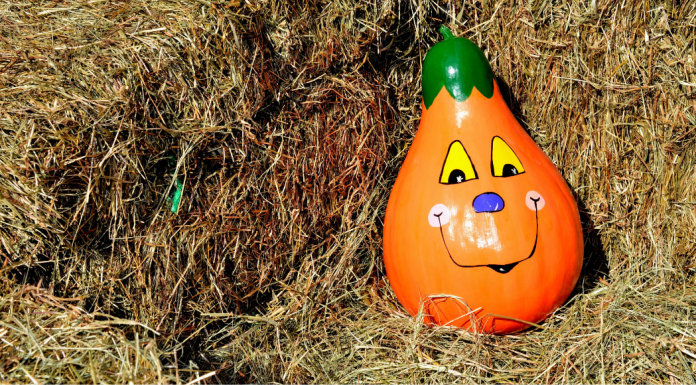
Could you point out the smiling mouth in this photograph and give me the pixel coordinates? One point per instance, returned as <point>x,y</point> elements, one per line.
<point>502,269</point>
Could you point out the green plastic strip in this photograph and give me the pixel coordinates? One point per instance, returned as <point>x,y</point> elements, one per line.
<point>176,197</point>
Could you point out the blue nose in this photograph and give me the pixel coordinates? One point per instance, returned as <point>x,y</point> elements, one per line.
<point>488,203</point>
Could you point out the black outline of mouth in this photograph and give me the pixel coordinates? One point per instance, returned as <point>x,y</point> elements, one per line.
<point>502,269</point>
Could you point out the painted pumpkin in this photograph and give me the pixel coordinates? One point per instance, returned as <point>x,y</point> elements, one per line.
<point>481,230</point>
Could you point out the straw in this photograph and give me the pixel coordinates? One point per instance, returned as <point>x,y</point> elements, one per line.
<point>289,121</point>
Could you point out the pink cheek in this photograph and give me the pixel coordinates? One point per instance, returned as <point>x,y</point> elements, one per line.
<point>534,200</point>
<point>439,215</point>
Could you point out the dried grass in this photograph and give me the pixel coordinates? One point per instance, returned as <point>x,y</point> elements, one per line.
<point>285,124</point>
<point>47,339</point>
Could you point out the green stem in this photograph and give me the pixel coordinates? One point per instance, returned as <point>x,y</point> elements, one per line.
<point>446,32</point>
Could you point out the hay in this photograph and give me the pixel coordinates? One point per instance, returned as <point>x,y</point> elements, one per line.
<point>283,125</point>
<point>47,339</point>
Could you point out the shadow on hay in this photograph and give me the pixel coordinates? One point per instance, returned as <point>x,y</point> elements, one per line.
<point>36,273</point>
<point>594,264</point>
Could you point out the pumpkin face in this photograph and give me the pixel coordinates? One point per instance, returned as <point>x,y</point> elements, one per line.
<point>481,230</point>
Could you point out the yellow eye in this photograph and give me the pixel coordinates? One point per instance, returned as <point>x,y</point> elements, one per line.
<point>457,167</point>
<point>504,162</point>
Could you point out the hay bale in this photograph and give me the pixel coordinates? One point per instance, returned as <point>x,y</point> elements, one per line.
<point>48,339</point>
<point>283,126</point>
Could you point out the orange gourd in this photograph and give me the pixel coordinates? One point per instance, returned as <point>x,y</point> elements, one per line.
<point>481,231</point>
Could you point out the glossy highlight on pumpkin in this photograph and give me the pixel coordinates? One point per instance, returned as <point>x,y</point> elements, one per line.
<point>481,231</point>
